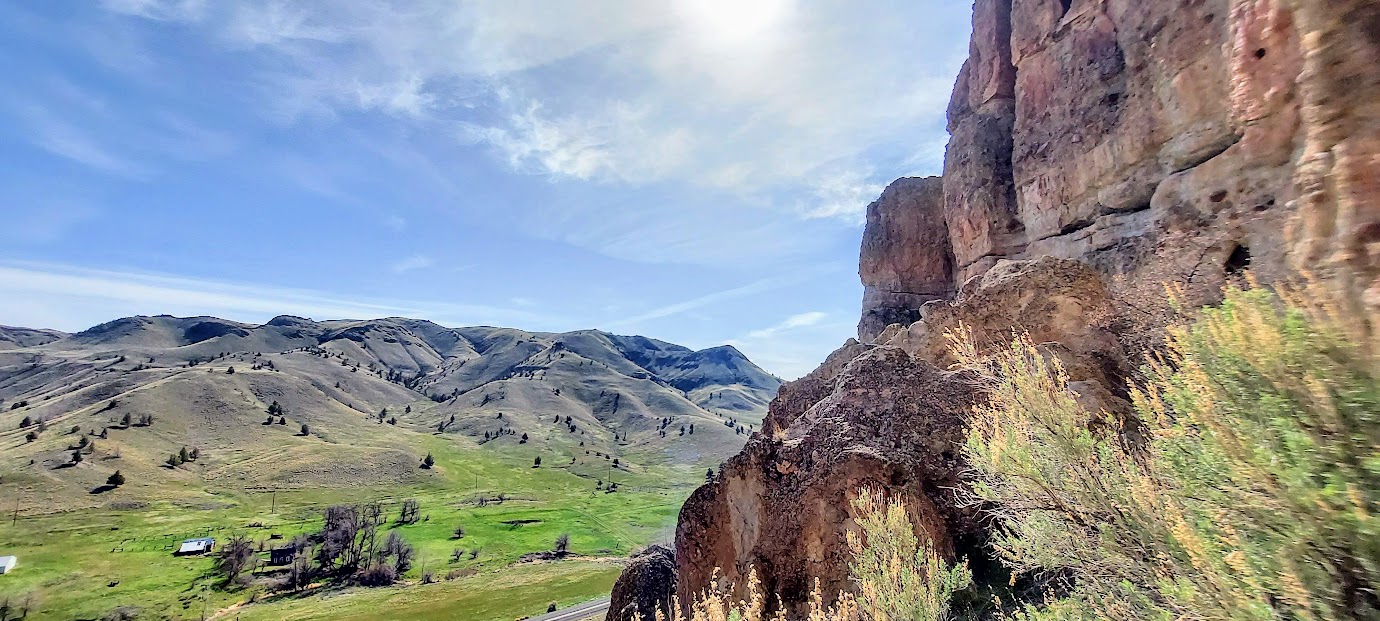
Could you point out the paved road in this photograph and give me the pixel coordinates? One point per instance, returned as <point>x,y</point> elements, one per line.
<point>576,613</point>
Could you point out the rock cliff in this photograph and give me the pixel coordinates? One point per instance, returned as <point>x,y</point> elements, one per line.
<point>1100,149</point>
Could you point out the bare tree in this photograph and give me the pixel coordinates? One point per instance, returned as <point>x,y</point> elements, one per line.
<point>399,551</point>
<point>236,557</point>
<point>563,543</point>
<point>411,512</point>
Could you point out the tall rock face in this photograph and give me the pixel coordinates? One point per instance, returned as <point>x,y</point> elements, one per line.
<point>906,258</point>
<point>979,189</point>
<point>1338,235</point>
<point>1100,149</point>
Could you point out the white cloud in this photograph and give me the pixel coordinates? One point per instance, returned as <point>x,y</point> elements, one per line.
<point>412,263</point>
<point>768,96</point>
<point>803,320</point>
<point>844,195</point>
<point>74,298</point>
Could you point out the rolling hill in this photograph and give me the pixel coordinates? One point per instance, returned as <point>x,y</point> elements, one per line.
<point>362,403</point>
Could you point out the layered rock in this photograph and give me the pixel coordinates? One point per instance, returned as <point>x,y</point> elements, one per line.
<point>1138,137</point>
<point>906,258</point>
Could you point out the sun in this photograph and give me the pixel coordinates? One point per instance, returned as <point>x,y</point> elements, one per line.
<point>732,23</point>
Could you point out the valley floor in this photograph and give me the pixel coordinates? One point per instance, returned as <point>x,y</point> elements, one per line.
<point>84,563</point>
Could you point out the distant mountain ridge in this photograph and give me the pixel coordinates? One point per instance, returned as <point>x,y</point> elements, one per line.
<point>412,346</point>
<point>208,382</point>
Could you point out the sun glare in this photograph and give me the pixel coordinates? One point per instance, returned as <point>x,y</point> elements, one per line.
<point>728,23</point>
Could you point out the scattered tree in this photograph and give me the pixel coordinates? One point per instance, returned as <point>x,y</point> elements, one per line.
<point>305,430</point>
<point>236,556</point>
<point>396,548</point>
<point>428,461</point>
<point>562,543</point>
<point>115,480</point>
<point>410,513</point>
<point>537,462</point>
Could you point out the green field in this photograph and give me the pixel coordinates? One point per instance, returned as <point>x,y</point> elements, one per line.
<point>81,564</point>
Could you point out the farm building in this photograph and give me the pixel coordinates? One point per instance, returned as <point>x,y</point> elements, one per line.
<point>282,556</point>
<point>195,546</point>
<point>7,564</point>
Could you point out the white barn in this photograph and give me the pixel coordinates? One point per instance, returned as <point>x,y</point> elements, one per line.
<point>195,546</point>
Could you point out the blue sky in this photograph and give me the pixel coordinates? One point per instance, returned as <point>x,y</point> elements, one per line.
<point>694,171</point>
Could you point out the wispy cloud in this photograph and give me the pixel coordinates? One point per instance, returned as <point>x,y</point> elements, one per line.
<point>803,320</point>
<point>73,298</point>
<point>756,287</point>
<point>65,140</point>
<point>413,263</point>
<point>796,344</point>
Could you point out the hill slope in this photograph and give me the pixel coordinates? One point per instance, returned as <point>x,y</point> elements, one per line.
<point>372,395</point>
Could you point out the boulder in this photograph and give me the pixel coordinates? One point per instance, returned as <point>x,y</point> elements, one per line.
<point>646,585</point>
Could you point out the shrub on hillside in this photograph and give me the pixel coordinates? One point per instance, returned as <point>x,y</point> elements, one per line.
<point>1255,495</point>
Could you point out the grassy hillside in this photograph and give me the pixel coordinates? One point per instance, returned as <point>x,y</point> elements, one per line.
<point>375,398</point>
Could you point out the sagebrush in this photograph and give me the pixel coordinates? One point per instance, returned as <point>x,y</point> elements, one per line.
<point>1249,490</point>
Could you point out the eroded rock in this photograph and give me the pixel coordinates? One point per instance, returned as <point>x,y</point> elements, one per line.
<point>906,258</point>
<point>781,506</point>
<point>646,586</point>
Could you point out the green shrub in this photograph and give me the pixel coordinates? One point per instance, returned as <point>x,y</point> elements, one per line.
<point>1254,494</point>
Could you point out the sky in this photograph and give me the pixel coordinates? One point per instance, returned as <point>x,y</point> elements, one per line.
<point>691,170</point>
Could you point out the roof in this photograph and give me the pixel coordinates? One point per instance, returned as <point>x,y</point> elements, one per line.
<point>196,545</point>
<point>7,562</point>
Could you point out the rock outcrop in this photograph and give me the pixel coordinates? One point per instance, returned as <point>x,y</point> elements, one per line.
<point>906,257</point>
<point>781,506</point>
<point>646,586</point>
<point>1100,150</point>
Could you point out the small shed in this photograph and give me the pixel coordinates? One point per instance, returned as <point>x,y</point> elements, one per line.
<point>200,545</point>
<point>282,556</point>
<point>7,564</point>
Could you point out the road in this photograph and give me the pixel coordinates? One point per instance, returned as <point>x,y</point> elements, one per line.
<point>576,613</point>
